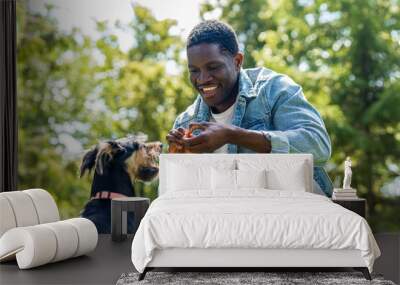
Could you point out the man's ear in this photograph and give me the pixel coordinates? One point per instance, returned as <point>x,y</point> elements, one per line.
<point>238,59</point>
<point>88,161</point>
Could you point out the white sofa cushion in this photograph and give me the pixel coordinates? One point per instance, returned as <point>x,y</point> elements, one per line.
<point>87,235</point>
<point>32,246</point>
<point>23,209</point>
<point>45,205</point>
<point>40,244</point>
<point>31,232</point>
<point>7,220</point>
<point>26,208</point>
<point>66,237</point>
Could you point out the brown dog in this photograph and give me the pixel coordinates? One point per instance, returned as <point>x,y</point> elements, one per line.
<point>117,163</point>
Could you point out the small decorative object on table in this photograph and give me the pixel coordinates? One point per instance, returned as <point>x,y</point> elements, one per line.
<point>347,196</point>
<point>119,214</point>
<point>345,193</point>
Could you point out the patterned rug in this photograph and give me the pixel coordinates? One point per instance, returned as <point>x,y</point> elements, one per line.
<point>243,278</point>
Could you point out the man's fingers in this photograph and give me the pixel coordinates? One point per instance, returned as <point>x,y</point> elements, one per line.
<point>173,139</point>
<point>194,140</point>
<point>175,133</point>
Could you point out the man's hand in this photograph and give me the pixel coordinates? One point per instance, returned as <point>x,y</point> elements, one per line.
<point>212,137</point>
<point>174,138</point>
<point>215,135</point>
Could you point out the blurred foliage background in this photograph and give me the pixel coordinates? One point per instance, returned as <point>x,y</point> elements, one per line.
<point>74,91</point>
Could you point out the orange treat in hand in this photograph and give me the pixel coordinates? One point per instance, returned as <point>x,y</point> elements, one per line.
<point>188,134</point>
<point>174,148</point>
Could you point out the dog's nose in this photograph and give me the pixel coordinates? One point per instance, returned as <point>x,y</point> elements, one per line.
<point>152,170</point>
<point>148,173</point>
<point>161,145</point>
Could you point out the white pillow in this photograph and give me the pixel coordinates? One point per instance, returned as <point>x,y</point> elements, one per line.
<point>223,179</point>
<point>251,178</point>
<point>281,174</point>
<point>185,174</point>
<point>188,177</point>
<point>226,179</point>
<point>293,180</point>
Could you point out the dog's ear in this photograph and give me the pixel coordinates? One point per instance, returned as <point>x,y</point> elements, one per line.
<point>106,153</point>
<point>88,161</point>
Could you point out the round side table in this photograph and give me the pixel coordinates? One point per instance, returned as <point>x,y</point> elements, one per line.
<point>119,209</point>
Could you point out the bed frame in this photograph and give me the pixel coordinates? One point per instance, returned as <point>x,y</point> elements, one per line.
<point>242,259</point>
<point>246,258</point>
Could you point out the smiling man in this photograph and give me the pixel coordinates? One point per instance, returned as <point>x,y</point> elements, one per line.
<point>246,110</point>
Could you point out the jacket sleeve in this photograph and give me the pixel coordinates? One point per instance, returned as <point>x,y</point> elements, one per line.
<point>298,127</point>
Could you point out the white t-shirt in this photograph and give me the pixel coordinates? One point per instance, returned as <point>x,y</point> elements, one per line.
<point>223,118</point>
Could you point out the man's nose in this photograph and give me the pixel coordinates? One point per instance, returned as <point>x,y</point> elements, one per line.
<point>204,77</point>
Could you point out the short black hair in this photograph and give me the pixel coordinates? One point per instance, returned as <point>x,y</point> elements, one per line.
<point>214,32</point>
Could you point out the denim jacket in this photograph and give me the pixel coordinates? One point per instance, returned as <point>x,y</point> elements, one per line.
<point>275,105</point>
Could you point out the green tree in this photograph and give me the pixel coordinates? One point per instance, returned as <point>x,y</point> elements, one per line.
<point>54,78</point>
<point>244,18</point>
<point>346,55</point>
<point>74,90</point>
<point>142,95</point>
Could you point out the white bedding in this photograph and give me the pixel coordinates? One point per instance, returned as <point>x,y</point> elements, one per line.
<point>252,218</point>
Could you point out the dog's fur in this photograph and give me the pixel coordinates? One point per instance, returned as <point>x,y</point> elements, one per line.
<point>116,164</point>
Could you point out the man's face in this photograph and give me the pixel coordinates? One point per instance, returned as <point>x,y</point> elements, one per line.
<point>213,74</point>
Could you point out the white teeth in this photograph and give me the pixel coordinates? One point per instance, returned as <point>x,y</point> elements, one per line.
<point>206,89</point>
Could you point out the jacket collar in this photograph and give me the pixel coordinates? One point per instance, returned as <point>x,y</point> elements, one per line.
<point>246,89</point>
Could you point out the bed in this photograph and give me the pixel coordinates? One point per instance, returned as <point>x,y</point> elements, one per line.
<point>247,210</point>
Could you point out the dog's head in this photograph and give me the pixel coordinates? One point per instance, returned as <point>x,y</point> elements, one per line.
<point>139,160</point>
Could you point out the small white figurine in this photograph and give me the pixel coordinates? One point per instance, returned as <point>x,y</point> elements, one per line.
<point>347,174</point>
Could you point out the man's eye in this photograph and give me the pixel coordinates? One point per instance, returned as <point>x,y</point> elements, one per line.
<point>214,67</point>
<point>192,71</point>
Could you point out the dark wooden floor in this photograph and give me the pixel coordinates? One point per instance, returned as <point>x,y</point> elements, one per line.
<point>110,260</point>
<point>102,266</point>
<point>389,262</point>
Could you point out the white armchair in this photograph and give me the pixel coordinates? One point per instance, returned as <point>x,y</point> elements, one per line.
<point>31,230</point>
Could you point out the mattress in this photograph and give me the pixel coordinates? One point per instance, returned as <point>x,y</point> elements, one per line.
<point>250,219</point>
